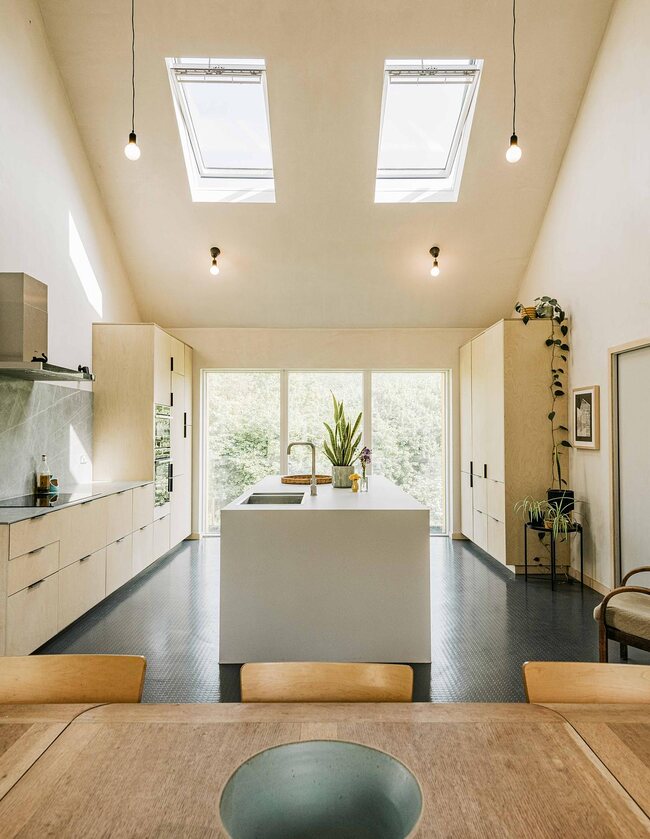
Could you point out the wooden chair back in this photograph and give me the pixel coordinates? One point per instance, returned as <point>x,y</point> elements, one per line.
<point>586,681</point>
<point>71,679</point>
<point>320,681</point>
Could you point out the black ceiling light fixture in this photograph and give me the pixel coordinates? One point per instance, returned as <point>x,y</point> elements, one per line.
<point>435,253</point>
<point>132,149</point>
<point>214,268</point>
<point>513,155</point>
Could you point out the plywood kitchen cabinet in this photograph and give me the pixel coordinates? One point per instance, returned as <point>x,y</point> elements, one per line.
<point>71,562</point>
<point>139,366</point>
<point>505,439</point>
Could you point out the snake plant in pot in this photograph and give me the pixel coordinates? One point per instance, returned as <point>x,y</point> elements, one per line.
<point>557,343</point>
<point>341,446</point>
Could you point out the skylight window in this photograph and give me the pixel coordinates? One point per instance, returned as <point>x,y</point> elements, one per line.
<point>223,119</point>
<point>427,113</point>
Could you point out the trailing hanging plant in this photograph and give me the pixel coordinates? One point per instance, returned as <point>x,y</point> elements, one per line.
<point>557,341</point>
<point>342,448</point>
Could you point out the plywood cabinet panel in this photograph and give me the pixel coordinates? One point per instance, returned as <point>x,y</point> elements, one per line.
<point>86,530</point>
<point>496,500</point>
<point>119,563</point>
<point>188,384</point>
<point>496,539</point>
<point>466,505</point>
<point>119,511</point>
<point>25,536</point>
<point>162,365</point>
<point>29,568</point>
<point>32,616</point>
<point>178,424</point>
<point>142,548</point>
<point>466,408</point>
<point>143,498</point>
<point>180,512</point>
<point>480,494</point>
<point>177,349</point>
<point>81,586</point>
<point>161,536</point>
<point>480,530</point>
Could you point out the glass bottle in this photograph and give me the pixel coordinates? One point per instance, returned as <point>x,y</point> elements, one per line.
<point>43,477</point>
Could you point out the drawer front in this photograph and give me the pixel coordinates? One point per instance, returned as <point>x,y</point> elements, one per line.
<point>142,548</point>
<point>496,500</point>
<point>119,563</point>
<point>496,539</point>
<point>81,586</point>
<point>119,514</point>
<point>29,568</point>
<point>161,511</point>
<point>32,616</point>
<point>160,536</point>
<point>86,531</point>
<point>142,506</point>
<point>480,530</point>
<point>181,511</point>
<point>479,494</point>
<point>26,536</point>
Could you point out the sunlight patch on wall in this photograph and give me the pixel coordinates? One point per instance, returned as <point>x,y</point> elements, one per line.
<point>83,267</point>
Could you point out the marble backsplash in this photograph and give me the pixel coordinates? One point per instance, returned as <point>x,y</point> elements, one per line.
<point>43,418</point>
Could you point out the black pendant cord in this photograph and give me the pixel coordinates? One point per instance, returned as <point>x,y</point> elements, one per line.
<point>133,66</point>
<point>514,66</point>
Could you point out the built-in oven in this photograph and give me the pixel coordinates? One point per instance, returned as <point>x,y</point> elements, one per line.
<point>162,421</point>
<point>163,483</point>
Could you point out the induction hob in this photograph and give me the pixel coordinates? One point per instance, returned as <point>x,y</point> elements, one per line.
<point>42,500</point>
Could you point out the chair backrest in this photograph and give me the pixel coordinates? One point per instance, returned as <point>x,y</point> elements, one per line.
<point>320,681</point>
<point>61,679</point>
<point>586,681</point>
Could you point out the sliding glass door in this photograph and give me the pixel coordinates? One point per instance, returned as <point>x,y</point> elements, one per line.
<point>251,416</point>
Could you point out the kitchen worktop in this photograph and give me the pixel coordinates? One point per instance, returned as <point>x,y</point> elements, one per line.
<point>382,495</point>
<point>80,493</point>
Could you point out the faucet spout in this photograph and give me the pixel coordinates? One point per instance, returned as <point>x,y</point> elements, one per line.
<point>313,483</point>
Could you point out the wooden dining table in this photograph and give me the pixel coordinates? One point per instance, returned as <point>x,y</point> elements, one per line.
<point>486,770</point>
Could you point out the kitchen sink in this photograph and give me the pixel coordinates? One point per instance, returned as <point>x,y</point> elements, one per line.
<point>275,498</point>
<point>321,788</point>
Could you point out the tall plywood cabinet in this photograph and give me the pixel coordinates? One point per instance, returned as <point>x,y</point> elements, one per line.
<point>505,444</point>
<point>139,366</point>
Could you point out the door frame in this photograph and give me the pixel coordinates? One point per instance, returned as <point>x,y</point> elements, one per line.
<point>614,354</point>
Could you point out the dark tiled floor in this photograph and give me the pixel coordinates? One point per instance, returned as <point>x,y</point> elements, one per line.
<point>485,623</point>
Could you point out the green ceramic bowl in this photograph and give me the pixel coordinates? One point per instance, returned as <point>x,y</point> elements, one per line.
<point>321,789</point>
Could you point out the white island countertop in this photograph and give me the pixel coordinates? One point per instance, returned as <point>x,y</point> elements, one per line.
<point>382,495</point>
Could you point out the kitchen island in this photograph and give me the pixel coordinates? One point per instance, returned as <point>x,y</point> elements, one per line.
<point>341,576</point>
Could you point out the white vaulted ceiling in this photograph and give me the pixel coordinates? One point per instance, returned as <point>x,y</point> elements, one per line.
<point>325,254</point>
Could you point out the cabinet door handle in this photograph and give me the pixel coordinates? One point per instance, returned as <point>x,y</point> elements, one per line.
<point>84,558</point>
<point>117,541</point>
<point>144,527</point>
<point>171,400</point>
<point>90,501</point>
<point>485,470</point>
<point>471,480</point>
<point>471,467</point>
<point>37,583</point>
<point>36,551</point>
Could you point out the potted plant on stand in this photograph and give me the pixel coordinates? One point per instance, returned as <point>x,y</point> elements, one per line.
<point>341,449</point>
<point>557,342</point>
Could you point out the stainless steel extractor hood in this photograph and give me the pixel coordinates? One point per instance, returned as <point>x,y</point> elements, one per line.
<point>23,333</point>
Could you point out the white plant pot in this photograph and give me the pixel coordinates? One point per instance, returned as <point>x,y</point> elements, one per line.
<point>341,477</point>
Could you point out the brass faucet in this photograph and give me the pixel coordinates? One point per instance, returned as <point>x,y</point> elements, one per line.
<point>313,484</point>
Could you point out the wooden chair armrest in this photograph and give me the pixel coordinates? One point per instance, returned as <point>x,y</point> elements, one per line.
<point>614,592</point>
<point>634,571</point>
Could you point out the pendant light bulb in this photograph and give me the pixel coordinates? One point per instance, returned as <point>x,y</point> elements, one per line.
<point>435,252</point>
<point>132,149</point>
<point>214,268</point>
<point>513,155</point>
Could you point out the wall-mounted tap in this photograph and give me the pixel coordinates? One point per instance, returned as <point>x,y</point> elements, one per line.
<point>313,483</point>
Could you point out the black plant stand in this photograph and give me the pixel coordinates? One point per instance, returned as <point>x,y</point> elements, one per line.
<point>575,528</point>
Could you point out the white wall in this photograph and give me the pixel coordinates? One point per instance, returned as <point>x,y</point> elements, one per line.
<point>45,180</point>
<point>359,349</point>
<point>593,250</point>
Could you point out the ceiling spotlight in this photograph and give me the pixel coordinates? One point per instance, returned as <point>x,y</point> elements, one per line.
<point>132,149</point>
<point>513,155</point>
<point>214,268</point>
<point>435,253</point>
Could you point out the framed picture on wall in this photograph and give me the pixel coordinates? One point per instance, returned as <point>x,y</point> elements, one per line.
<point>586,417</point>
